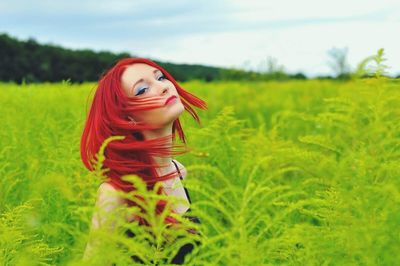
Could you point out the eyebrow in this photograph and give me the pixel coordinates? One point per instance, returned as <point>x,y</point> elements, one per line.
<point>140,80</point>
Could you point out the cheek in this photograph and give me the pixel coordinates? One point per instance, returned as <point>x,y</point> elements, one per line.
<point>152,116</point>
<point>171,85</point>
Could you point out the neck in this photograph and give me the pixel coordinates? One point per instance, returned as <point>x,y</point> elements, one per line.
<point>164,162</point>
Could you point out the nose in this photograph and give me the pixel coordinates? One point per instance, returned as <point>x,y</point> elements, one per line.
<point>164,90</point>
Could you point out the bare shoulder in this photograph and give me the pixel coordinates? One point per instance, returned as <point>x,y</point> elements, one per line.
<point>182,168</point>
<point>107,201</point>
<point>105,188</point>
<point>107,195</point>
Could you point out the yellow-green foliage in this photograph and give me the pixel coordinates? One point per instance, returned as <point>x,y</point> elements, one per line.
<point>293,173</point>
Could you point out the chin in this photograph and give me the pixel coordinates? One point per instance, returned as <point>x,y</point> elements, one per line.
<point>178,113</point>
<point>181,107</point>
<point>174,114</point>
<point>170,115</point>
<point>176,109</point>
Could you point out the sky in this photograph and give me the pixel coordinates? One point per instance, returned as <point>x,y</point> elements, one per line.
<point>223,33</point>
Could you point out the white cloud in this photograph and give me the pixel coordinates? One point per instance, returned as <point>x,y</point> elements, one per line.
<point>298,49</point>
<point>260,10</point>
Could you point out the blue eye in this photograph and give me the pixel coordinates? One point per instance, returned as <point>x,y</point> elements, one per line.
<point>141,91</point>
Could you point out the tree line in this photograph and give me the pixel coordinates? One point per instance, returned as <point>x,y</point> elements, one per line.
<point>29,61</point>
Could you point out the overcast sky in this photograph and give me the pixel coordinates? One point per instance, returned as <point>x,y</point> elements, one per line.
<point>228,33</point>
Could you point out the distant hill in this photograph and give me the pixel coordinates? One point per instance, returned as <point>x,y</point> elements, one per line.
<point>29,61</point>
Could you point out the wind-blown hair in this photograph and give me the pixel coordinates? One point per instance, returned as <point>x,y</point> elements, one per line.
<point>133,155</point>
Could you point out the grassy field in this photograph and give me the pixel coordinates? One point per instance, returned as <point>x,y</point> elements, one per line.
<point>292,173</point>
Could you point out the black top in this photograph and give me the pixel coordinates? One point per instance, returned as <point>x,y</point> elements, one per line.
<point>187,248</point>
<point>194,219</point>
<point>180,176</point>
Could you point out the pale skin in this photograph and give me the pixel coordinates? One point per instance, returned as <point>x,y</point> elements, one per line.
<point>142,80</point>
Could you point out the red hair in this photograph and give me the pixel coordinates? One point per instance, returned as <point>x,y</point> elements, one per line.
<point>132,155</point>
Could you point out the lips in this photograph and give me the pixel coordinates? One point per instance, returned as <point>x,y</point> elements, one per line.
<point>169,99</point>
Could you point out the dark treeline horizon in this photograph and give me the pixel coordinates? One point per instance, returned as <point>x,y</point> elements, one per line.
<point>30,62</point>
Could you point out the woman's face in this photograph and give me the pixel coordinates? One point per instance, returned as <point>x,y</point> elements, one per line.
<point>146,82</point>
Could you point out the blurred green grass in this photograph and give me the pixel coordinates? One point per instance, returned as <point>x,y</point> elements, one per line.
<point>294,173</point>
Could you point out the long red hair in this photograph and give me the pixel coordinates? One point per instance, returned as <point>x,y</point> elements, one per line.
<point>132,155</point>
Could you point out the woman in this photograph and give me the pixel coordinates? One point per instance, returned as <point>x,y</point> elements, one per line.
<point>140,100</point>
